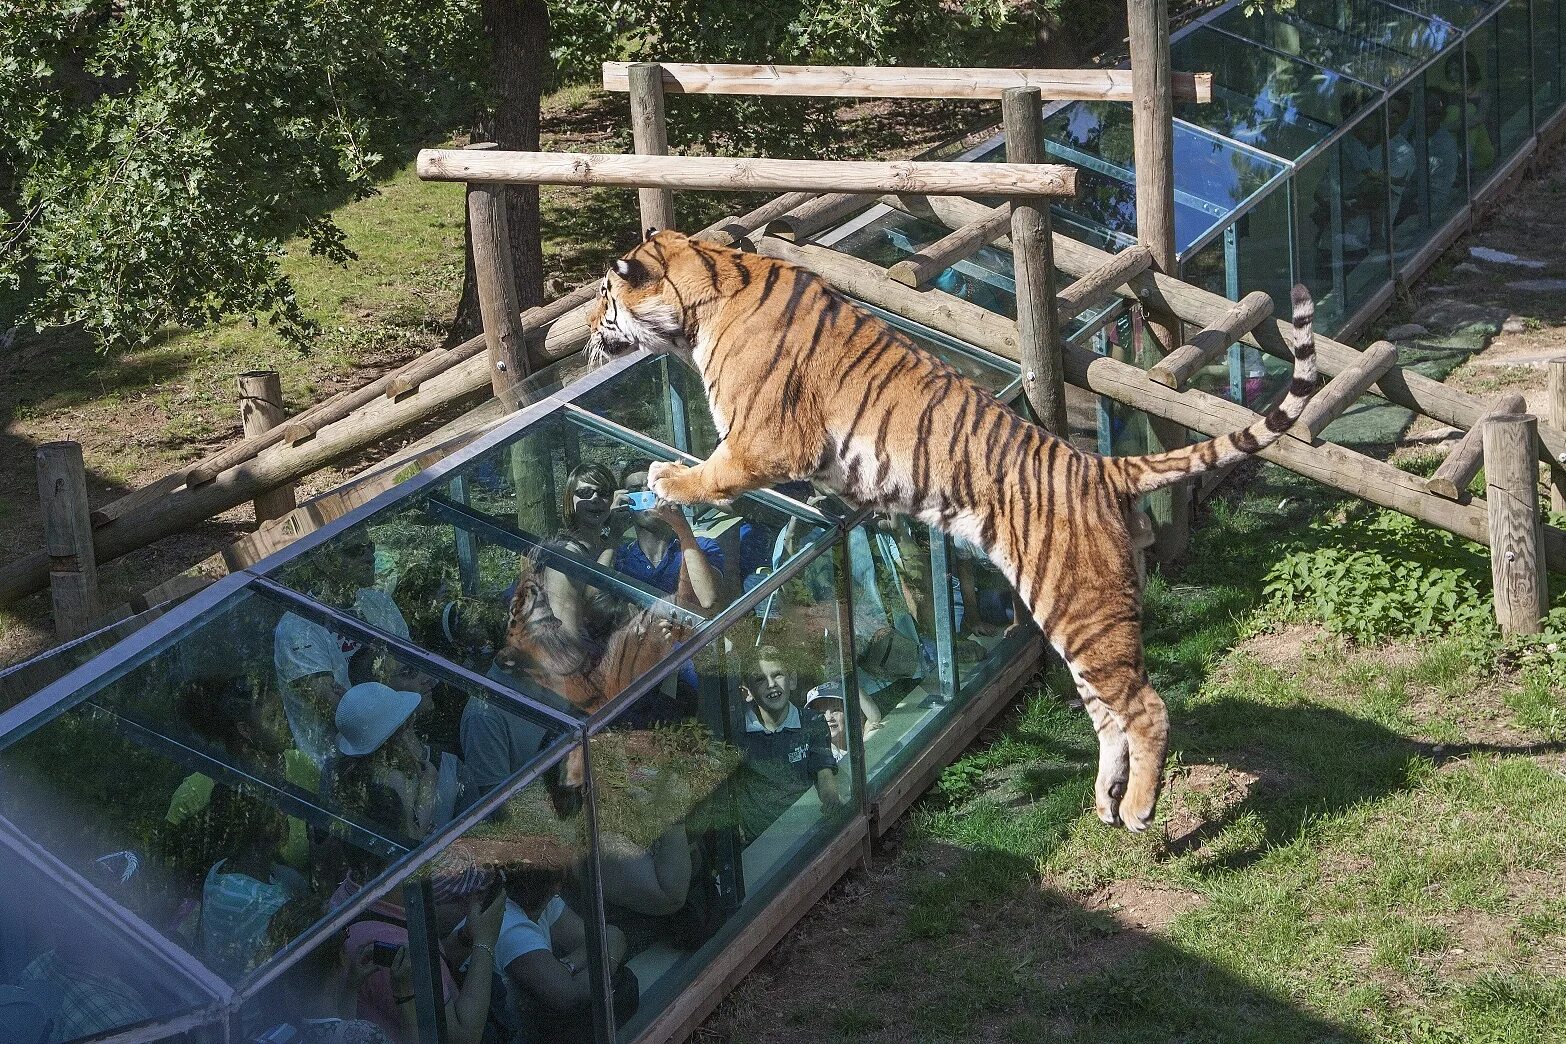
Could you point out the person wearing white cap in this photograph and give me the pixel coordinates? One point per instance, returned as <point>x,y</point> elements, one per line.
<point>384,755</point>
<point>312,660</point>
<point>826,700</point>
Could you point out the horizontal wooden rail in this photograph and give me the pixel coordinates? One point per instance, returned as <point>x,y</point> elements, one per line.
<point>1168,295</point>
<point>723,174</point>
<point>1098,286</point>
<point>845,81</point>
<point>931,261</point>
<point>1344,390</point>
<point>1180,365</point>
<point>1451,479</point>
<point>1355,473</point>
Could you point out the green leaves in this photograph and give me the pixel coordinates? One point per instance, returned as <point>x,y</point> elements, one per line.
<point>155,154</point>
<point>1384,576</point>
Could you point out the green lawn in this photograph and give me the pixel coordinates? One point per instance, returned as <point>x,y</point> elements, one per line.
<point>1355,844</point>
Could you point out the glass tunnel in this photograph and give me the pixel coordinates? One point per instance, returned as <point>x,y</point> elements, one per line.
<point>504,685</point>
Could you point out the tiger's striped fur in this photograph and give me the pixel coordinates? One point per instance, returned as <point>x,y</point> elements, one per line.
<point>803,384</point>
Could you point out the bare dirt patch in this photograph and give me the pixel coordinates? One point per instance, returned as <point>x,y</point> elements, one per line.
<point>1143,904</point>
<point>1285,645</point>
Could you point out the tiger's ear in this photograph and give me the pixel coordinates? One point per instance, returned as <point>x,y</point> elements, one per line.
<point>650,231</point>
<point>632,271</point>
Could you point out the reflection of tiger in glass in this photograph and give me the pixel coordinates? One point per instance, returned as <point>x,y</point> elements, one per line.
<point>539,647</point>
<point>804,384</point>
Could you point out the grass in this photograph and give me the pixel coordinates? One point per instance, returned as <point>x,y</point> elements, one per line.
<point>1356,844</point>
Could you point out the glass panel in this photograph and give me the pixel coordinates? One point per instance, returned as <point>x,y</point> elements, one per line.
<point>1445,102</point>
<point>1212,177</point>
<point>515,885</point>
<point>1262,245</point>
<point>21,680</point>
<point>65,973</point>
<point>1341,206</point>
<point>230,779</point>
<point>1381,24</point>
<point>1408,200</point>
<point>543,525</point>
<point>1546,59</point>
<point>1483,67</point>
<point>712,794</point>
<point>1516,80</point>
<point>1459,13</point>
<point>1294,34</point>
<point>1207,270</point>
<point>1263,98</point>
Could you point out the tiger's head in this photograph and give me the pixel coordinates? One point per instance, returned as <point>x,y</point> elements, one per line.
<point>639,304</point>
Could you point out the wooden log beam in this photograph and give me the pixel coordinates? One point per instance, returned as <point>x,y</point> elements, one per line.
<point>1098,286</point>
<point>500,312</point>
<point>723,174</point>
<point>1557,421</point>
<point>1511,485</point>
<point>1180,365</point>
<point>650,137</point>
<point>1332,465</point>
<point>1344,390</point>
<point>816,215</point>
<point>840,81</point>
<point>922,267</point>
<point>1166,293</point>
<point>1451,479</point>
<point>261,410</point>
<point>1033,263</point>
<point>68,538</point>
<point>735,231</point>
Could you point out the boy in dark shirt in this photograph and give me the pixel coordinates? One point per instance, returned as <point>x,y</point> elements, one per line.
<point>787,749</point>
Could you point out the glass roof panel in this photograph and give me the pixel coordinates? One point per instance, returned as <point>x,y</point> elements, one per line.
<point>1460,13</point>
<point>60,939</point>
<point>1361,57</point>
<point>244,766</point>
<point>985,278</point>
<point>1380,23</point>
<point>541,523</point>
<point>1263,98</point>
<point>1213,176</point>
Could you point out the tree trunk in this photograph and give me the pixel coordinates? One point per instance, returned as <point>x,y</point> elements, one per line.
<point>518,33</point>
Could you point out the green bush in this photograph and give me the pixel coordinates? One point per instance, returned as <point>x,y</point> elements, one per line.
<point>1384,576</point>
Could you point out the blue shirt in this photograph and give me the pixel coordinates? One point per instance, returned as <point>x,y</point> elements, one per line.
<point>665,576</point>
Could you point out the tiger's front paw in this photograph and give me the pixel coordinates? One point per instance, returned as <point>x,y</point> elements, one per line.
<point>672,482</point>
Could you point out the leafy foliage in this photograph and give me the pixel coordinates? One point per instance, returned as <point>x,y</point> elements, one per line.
<point>865,32</point>
<point>154,153</point>
<point>1384,576</point>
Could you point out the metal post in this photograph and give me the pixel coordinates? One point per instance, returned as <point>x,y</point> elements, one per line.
<point>424,952</point>
<point>73,569</point>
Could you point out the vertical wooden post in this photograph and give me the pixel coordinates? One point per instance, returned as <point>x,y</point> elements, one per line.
<point>1511,476</point>
<point>1558,422</point>
<point>498,306</point>
<point>650,137</point>
<point>73,569</point>
<point>1033,261</point>
<point>1152,111</point>
<point>261,410</point>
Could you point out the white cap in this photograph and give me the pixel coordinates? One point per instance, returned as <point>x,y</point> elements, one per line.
<point>832,690</point>
<point>368,714</point>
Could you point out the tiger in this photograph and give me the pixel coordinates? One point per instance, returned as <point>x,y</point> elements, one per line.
<point>804,384</point>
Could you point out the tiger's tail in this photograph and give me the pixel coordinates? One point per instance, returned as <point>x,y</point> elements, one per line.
<point>1137,475</point>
